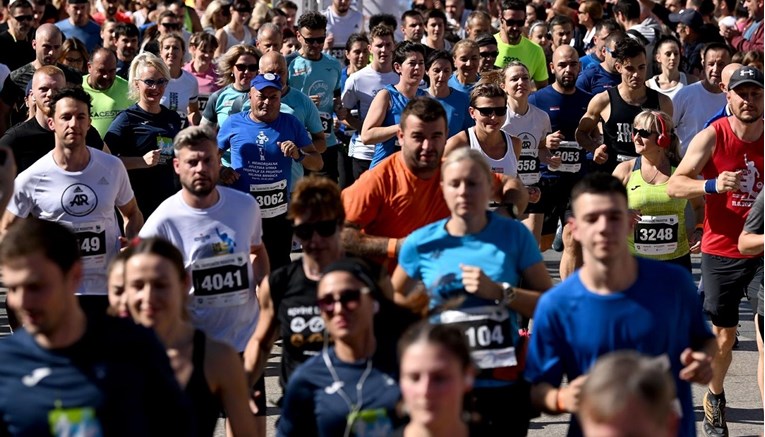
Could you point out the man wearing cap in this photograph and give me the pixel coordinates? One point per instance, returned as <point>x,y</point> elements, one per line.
<point>729,156</point>
<point>689,23</point>
<point>263,143</point>
<point>17,50</point>
<point>79,25</point>
<point>695,103</point>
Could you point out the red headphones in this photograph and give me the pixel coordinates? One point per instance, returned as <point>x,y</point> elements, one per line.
<point>664,139</point>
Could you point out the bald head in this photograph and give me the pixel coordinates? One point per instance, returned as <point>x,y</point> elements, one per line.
<point>564,51</point>
<point>47,44</point>
<point>274,62</point>
<point>269,38</point>
<point>727,73</point>
<point>46,80</point>
<point>48,30</point>
<point>565,65</point>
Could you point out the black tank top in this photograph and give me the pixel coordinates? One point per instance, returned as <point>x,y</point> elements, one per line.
<point>205,405</point>
<point>617,131</point>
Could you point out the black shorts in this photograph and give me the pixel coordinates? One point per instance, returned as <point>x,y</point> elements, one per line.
<point>726,281</point>
<point>554,202</point>
<point>502,411</point>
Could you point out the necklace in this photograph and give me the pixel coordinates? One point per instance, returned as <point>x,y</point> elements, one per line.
<point>655,173</point>
<point>337,387</point>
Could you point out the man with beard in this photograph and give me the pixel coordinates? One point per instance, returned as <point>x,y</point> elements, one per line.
<point>617,107</point>
<point>32,139</point>
<point>79,25</point>
<point>513,46</point>
<point>47,45</point>
<point>126,43</point>
<point>17,50</point>
<point>729,156</point>
<point>223,252</point>
<point>695,103</point>
<point>412,25</point>
<point>109,92</point>
<point>565,104</point>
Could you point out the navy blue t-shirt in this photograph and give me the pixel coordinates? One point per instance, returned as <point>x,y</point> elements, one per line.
<point>116,380</point>
<point>565,111</point>
<point>596,80</point>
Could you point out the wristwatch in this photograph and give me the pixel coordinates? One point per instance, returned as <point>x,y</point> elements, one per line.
<point>509,294</point>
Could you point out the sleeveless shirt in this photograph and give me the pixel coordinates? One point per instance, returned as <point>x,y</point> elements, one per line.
<point>507,165</point>
<point>617,131</point>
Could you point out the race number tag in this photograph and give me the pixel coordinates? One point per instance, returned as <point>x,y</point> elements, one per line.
<point>622,158</point>
<point>488,332</point>
<point>272,198</point>
<point>528,169</point>
<point>221,281</point>
<point>326,122</point>
<point>656,235</point>
<point>570,157</point>
<point>91,238</point>
<point>165,146</point>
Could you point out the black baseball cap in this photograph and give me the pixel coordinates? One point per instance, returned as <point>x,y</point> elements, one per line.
<point>745,75</point>
<point>689,17</point>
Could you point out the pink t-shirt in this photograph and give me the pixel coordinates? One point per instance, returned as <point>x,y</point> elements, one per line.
<point>206,80</point>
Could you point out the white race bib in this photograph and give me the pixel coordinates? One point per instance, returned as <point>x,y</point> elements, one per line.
<point>221,281</point>
<point>272,198</point>
<point>656,235</point>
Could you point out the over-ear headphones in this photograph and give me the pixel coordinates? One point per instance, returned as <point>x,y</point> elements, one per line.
<point>664,139</point>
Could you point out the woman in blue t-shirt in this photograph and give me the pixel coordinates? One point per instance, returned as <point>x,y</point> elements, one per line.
<point>470,264</point>
<point>439,67</point>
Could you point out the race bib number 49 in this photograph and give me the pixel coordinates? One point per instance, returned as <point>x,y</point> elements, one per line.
<point>221,281</point>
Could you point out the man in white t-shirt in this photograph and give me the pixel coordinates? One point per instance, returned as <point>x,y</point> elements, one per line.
<point>695,103</point>
<point>360,89</point>
<point>342,21</point>
<point>79,187</point>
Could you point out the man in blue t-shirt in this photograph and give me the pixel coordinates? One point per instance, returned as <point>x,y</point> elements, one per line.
<point>263,143</point>
<point>68,372</point>
<point>615,301</point>
<point>564,104</point>
<point>80,26</point>
<point>603,75</point>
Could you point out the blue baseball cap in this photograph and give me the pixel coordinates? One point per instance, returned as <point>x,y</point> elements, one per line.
<point>263,81</point>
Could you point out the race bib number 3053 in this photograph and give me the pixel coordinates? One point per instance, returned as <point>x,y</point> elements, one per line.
<point>571,155</point>
<point>221,281</point>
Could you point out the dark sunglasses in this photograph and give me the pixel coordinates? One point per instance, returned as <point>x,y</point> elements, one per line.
<point>642,133</point>
<point>325,228</point>
<point>252,68</point>
<point>488,111</point>
<point>319,40</point>
<point>244,10</point>
<point>487,55</point>
<point>516,23</point>
<point>24,18</point>
<point>171,26</point>
<point>151,83</point>
<point>349,299</point>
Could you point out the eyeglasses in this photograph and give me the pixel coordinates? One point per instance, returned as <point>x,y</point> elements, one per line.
<point>24,18</point>
<point>152,83</point>
<point>488,55</point>
<point>514,23</point>
<point>319,40</point>
<point>171,26</point>
<point>643,133</point>
<point>325,228</point>
<point>252,68</point>
<point>349,300</point>
<point>488,111</point>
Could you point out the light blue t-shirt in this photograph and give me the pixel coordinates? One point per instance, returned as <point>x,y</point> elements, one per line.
<point>320,78</point>
<point>456,106</point>
<point>457,85</point>
<point>90,34</point>
<point>398,102</point>
<point>299,105</point>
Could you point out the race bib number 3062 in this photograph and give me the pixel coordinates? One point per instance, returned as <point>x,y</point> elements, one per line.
<point>272,198</point>
<point>221,281</point>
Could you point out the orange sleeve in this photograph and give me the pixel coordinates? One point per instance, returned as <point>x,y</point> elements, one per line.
<point>362,200</point>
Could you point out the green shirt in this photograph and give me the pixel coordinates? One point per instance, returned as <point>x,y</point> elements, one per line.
<point>527,52</point>
<point>107,104</point>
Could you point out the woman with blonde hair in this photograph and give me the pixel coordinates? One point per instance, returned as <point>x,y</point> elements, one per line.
<point>215,17</point>
<point>236,68</point>
<point>660,229</point>
<point>142,135</point>
<point>182,92</point>
<point>466,57</point>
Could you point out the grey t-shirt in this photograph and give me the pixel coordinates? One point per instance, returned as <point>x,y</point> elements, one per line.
<point>754,224</point>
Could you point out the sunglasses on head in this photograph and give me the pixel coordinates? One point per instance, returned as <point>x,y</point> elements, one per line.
<point>171,26</point>
<point>487,55</point>
<point>349,300</point>
<point>318,40</point>
<point>516,23</point>
<point>325,228</point>
<point>24,18</point>
<point>252,68</point>
<point>499,111</point>
<point>151,83</point>
<point>642,133</point>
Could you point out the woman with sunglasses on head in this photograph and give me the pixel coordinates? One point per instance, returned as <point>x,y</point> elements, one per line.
<point>381,123</point>
<point>471,263</point>
<point>660,228</point>
<point>238,30</point>
<point>345,390</point>
<point>182,92</point>
<point>142,135</point>
<point>439,67</point>
<point>210,372</point>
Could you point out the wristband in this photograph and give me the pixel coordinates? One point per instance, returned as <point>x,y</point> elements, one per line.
<point>700,227</point>
<point>559,402</point>
<point>392,243</point>
<point>710,186</point>
<point>301,156</point>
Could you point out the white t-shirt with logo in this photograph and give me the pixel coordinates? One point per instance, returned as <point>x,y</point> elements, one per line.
<point>531,128</point>
<point>84,202</point>
<point>215,243</point>
<point>179,93</point>
<point>360,89</point>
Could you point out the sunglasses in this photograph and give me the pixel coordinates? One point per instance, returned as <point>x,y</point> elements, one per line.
<point>516,23</point>
<point>24,18</point>
<point>252,68</point>
<point>244,10</point>
<point>643,133</point>
<point>151,83</point>
<point>325,228</point>
<point>349,300</point>
<point>488,55</point>
<point>319,40</point>
<point>171,26</point>
<point>488,111</point>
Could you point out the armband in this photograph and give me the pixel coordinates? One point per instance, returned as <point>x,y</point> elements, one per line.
<point>392,243</point>
<point>710,186</point>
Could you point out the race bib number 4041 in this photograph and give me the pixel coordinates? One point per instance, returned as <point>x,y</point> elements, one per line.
<point>221,281</point>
